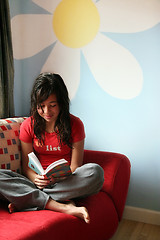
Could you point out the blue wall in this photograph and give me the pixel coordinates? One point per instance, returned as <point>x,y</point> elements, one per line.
<point>129,126</point>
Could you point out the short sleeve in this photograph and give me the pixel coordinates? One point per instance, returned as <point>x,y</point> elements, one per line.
<point>77,127</point>
<point>26,132</point>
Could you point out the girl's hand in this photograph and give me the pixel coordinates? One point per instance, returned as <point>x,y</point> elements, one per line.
<point>42,181</point>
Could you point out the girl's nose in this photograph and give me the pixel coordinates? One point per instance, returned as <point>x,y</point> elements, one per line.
<point>46,109</point>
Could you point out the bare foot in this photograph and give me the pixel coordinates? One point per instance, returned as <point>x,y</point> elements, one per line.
<point>68,208</point>
<point>80,212</point>
<point>11,208</point>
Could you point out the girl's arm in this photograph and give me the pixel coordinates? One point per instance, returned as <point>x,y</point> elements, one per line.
<point>77,155</point>
<point>25,149</point>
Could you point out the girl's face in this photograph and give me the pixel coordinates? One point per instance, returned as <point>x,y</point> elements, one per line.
<point>49,109</point>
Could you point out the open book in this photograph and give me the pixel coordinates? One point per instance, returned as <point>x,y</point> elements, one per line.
<point>60,168</point>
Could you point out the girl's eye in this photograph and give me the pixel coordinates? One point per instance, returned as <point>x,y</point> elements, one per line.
<point>53,105</point>
<point>40,106</point>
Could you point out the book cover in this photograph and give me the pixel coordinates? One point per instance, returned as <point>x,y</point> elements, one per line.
<point>59,168</point>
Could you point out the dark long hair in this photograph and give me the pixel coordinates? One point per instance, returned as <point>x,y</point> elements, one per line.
<point>45,85</point>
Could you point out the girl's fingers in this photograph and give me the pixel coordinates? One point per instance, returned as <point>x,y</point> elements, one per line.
<point>41,181</point>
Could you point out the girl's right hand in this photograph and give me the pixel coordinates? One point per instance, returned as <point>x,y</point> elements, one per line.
<point>41,181</point>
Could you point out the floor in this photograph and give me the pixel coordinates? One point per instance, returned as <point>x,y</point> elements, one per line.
<point>131,230</point>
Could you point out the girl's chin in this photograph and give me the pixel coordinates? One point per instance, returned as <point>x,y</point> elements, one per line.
<point>50,119</point>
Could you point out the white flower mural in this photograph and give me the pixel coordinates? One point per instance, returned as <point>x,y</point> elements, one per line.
<point>78,25</point>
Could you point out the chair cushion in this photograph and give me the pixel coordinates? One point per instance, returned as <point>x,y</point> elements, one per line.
<point>10,156</point>
<point>45,224</point>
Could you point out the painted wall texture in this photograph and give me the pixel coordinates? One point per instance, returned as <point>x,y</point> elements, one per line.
<point>108,53</point>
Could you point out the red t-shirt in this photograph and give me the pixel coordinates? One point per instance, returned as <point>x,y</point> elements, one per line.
<point>51,150</point>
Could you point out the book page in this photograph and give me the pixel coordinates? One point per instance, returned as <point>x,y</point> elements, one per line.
<point>54,164</point>
<point>35,164</point>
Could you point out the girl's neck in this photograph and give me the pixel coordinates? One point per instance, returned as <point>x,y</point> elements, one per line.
<point>50,127</point>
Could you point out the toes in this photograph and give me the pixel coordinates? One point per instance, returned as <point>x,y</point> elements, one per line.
<point>11,208</point>
<point>86,216</point>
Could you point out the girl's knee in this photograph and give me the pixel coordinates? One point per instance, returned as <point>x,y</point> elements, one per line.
<point>96,171</point>
<point>97,177</point>
<point>99,173</point>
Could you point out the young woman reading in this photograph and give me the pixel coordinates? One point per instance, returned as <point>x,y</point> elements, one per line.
<point>52,133</point>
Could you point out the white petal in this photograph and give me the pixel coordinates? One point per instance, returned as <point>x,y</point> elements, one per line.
<point>47,4</point>
<point>66,62</point>
<point>31,33</point>
<point>128,15</point>
<point>114,68</point>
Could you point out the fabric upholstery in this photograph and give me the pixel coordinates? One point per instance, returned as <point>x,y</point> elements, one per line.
<point>116,174</point>
<point>37,225</point>
<point>105,208</point>
<point>10,155</point>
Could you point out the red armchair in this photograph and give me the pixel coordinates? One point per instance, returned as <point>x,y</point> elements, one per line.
<point>105,208</point>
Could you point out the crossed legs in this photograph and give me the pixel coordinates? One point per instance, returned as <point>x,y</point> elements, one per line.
<point>23,194</point>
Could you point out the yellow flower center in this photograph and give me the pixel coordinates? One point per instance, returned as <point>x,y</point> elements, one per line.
<point>76,22</point>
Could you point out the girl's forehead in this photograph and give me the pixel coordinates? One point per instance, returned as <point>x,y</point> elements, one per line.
<point>52,98</point>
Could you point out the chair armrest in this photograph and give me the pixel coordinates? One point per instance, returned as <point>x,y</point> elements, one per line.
<point>116,168</point>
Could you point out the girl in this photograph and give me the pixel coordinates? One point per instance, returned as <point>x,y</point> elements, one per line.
<point>52,133</point>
